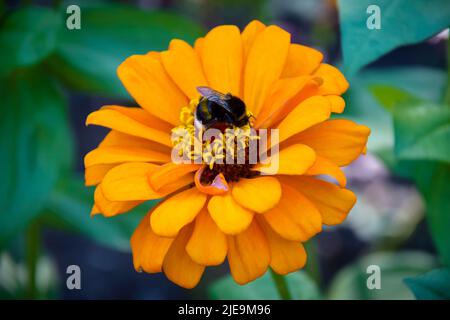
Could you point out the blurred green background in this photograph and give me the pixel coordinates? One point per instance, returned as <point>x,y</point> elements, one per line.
<point>52,78</point>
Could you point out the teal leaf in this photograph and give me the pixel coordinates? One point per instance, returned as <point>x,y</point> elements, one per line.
<point>433,285</point>
<point>300,285</point>
<point>28,36</point>
<point>403,22</point>
<point>35,146</point>
<point>87,59</point>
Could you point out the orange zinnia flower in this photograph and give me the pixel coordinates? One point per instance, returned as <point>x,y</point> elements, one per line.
<point>253,220</point>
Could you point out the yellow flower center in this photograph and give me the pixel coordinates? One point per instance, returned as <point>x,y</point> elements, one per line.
<point>219,152</point>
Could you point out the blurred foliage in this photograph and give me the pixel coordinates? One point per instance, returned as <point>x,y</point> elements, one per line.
<point>403,22</point>
<point>27,37</point>
<point>42,60</point>
<point>36,145</point>
<point>87,59</point>
<point>68,209</point>
<point>421,152</point>
<point>300,286</point>
<point>14,278</point>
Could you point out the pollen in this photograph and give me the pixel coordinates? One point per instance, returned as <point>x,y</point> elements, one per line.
<point>219,153</point>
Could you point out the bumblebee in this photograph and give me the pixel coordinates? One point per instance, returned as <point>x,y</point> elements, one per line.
<point>218,110</point>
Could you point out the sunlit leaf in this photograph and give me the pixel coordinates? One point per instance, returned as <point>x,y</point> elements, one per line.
<point>390,97</point>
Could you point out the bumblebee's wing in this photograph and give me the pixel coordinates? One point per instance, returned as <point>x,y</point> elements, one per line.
<point>214,96</point>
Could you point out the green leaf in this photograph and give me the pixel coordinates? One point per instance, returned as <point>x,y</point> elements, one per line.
<point>35,146</point>
<point>300,285</point>
<point>422,132</point>
<point>403,22</point>
<point>351,282</point>
<point>28,36</point>
<point>433,285</point>
<point>69,209</point>
<point>87,59</point>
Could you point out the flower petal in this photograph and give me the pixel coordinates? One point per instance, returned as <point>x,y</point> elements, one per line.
<point>178,265</point>
<point>222,59</point>
<point>129,181</point>
<point>333,202</point>
<point>229,216</point>
<point>301,60</point>
<point>198,47</point>
<point>142,116</point>
<point>169,173</point>
<point>146,80</point>
<point>248,254</point>
<point>94,175</point>
<point>184,67</point>
<point>337,103</point>
<point>249,34</point>
<point>258,194</point>
<point>295,159</point>
<point>333,81</point>
<point>118,139</point>
<point>323,166</point>
<point>294,218</point>
<point>148,249</point>
<point>282,91</point>
<point>285,256</point>
<point>119,121</point>
<point>108,155</point>
<point>265,62</point>
<point>218,186</point>
<point>308,113</point>
<point>177,211</point>
<point>340,141</point>
<point>112,208</point>
<point>208,244</point>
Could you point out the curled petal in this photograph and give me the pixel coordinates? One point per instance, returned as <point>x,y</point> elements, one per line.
<point>218,186</point>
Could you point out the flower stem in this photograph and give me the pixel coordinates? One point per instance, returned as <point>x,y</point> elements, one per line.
<point>312,266</point>
<point>281,285</point>
<point>33,238</point>
<point>447,91</point>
